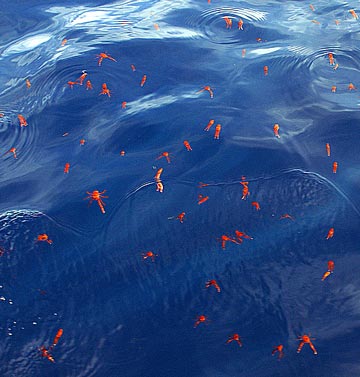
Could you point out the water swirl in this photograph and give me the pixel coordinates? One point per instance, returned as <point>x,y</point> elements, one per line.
<point>213,27</point>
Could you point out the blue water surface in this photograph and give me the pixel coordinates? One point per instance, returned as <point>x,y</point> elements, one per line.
<point>126,316</point>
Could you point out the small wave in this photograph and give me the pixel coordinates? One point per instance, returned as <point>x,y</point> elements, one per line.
<point>23,139</point>
<point>212,25</point>
<point>324,76</point>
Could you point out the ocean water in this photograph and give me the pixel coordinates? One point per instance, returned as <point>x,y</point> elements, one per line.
<point>126,316</point>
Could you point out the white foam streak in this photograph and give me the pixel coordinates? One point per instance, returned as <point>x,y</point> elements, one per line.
<point>265,51</point>
<point>153,101</point>
<point>123,21</point>
<point>120,22</point>
<point>26,44</point>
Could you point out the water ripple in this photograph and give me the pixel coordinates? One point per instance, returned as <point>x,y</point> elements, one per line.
<point>21,138</point>
<point>212,25</point>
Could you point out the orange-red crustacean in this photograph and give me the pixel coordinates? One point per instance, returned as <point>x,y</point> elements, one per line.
<point>330,233</point>
<point>331,58</point>
<point>202,199</point>
<point>256,205</point>
<point>276,130</point>
<point>13,151</point>
<point>97,195</point>
<point>228,22</point>
<point>208,88</point>
<point>217,131</point>
<point>236,338</point>
<point>159,186</point>
<point>241,235</point>
<point>158,174</point>
<point>44,238</point>
<point>331,266</point>
<point>224,238</point>
<point>279,349</point>
<point>166,155</point>
<point>103,56</point>
<point>286,216</point>
<point>211,122</point>
<point>149,254</point>
<point>328,149</point>
<point>143,80</point>
<point>105,90</point>
<point>201,184</point>
<point>245,191</point>
<point>82,77</point>
<point>22,120</point>
<point>67,167</point>
<point>72,83</point>
<point>306,339</point>
<point>46,352</point>
<point>200,319</point>
<point>213,283</point>
<point>57,338</point>
<point>187,145</point>
<point>180,217</point>
<point>353,13</point>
